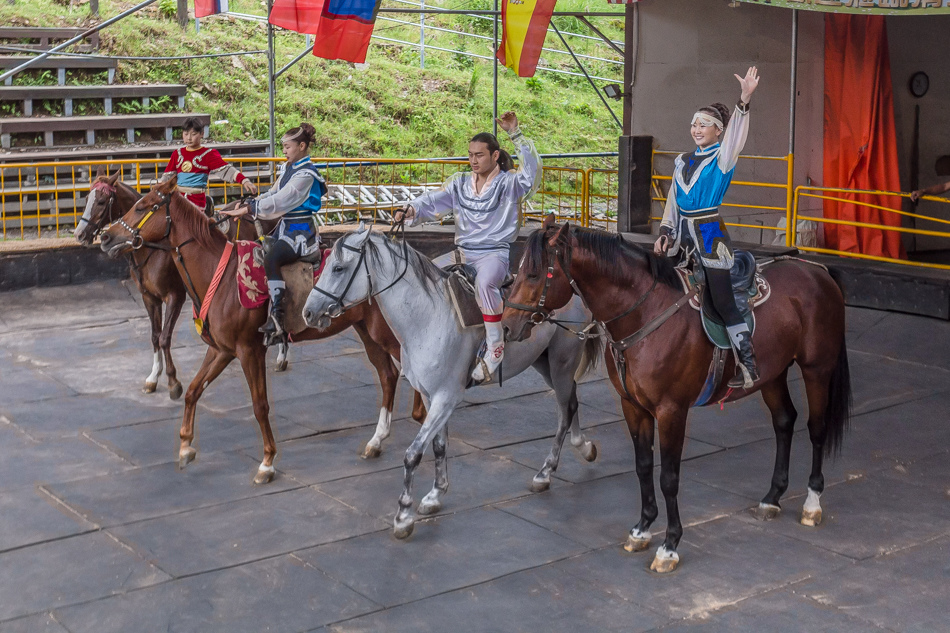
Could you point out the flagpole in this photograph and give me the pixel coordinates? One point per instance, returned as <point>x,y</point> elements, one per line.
<point>271,79</point>
<point>494,119</point>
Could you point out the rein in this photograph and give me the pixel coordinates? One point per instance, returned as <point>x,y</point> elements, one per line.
<point>337,307</point>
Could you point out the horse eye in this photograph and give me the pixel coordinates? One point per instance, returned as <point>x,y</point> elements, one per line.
<point>338,269</point>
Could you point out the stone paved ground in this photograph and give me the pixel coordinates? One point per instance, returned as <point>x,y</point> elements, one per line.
<point>100,532</point>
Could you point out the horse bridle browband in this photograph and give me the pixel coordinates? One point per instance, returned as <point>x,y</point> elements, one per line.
<point>337,307</point>
<point>98,225</point>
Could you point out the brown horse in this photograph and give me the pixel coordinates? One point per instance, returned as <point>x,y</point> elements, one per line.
<point>153,271</point>
<point>666,356</point>
<point>163,219</point>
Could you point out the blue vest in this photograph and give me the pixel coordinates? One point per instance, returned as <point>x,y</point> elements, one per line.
<point>314,202</point>
<point>708,184</point>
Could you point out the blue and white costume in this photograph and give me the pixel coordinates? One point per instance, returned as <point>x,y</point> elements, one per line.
<point>296,197</point>
<point>700,181</point>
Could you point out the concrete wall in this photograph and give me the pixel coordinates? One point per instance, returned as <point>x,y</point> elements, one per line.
<point>921,43</point>
<point>688,53</point>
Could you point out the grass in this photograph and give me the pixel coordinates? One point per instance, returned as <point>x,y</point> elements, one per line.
<point>390,108</point>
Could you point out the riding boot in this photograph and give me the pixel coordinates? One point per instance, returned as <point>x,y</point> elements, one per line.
<point>745,357</point>
<point>495,342</point>
<point>273,328</point>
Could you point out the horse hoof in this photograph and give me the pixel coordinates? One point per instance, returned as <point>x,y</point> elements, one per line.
<point>403,530</point>
<point>149,387</point>
<point>637,543</point>
<point>281,366</point>
<point>265,475</point>
<point>811,518</point>
<point>186,456</point>
<point>175,392</point>
<point>766,511</point>
<point>540,485</point>
<point>590,454</point>
<point>665,561</point>
<point>429,507</point>
<point>371,452</point>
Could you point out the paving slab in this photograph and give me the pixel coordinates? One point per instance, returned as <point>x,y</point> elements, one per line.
<point>281,595</point>
<point>69,571</point>
<point>444,554</point>
<point>344,409</point>
<point>909,338</point>
<point>59,417</point>
<point>28,516</point>
<point>24,385</point>
<point>517,419</point>
<point>40,462</point>
<point>101,302</point>
<point>602,512</point>
<point>146,493</point>
<point>40,623</point>
<point>158,442</point>
<point>55,347</point>
<point>780,610</point>
<point>722,562</point>
<point>930,472</point>
<point>902,591</point>
<point>615,454</point>
<point>528,381</point>
<point>476,479</point>
<point>331,456</point>
<point>868,517</point>
<point>541,599</point>
<point>878,382</point>
<point>242,531</point>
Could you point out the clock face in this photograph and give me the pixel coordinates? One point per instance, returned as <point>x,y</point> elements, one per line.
<point>919,83</point>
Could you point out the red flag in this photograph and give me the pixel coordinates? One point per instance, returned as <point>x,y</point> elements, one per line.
<point>345,29</point>
<point>524,27</point>
<point>204,8</point>
<point>301,16</point>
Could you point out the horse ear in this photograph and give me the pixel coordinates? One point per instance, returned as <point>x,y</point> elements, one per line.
<point>361,227</point>
<point>549,221</point>
<point>561,235</point>
<point>100,172</point>
<point>170,185</point>
<point>113,178</point>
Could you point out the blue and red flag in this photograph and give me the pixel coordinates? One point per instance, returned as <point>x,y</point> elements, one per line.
<point>204,8</point>
<point>341,28</point>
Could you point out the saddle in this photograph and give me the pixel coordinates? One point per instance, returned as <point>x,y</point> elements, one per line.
<point>751,290</point>
<point>461,283</point>
<point>300,277</point>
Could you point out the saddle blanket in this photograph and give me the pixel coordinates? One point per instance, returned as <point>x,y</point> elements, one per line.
<point>758,293</point>
<point>252,280</point>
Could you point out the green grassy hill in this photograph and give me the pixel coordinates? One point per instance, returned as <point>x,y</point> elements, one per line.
<point>390,108</point>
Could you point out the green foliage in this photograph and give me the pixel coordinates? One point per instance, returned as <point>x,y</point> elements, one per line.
<point>168,8</point>
<point>535,85</point>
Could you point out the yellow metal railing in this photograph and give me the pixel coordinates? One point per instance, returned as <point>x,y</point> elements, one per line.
<point>849,196</point>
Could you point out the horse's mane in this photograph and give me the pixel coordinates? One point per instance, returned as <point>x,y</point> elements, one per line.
<point>430,274</point>
<point>193,218</point>
<point>610,251</point>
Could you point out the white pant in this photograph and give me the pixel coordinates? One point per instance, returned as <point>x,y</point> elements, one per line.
<point>491,268</point>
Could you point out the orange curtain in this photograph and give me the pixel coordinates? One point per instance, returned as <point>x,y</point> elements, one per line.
<point>860,142</point>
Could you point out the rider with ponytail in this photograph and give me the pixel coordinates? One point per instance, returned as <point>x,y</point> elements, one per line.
<point>486,202</point>
<point>295,198</point>
<point>692,220</point>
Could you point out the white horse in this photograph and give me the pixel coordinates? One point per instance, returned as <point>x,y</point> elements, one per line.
<point>438,354</point>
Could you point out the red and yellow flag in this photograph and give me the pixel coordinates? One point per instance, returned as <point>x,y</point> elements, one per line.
<point>524,26</point>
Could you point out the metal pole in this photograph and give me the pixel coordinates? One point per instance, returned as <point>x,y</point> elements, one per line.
<point>629,51</point>
<point>422,36</point>
<point>494,120</point>
<point>183,13</point>
<point>589,80</point>
<point>93,8</point>
<point>78,38</point>
<point>790,229</point>
<point>271,80</point>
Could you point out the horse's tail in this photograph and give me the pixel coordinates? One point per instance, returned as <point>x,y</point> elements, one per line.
<point>838,409</point>
<point>592,353</point>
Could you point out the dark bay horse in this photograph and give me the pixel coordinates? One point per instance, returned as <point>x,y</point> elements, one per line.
<point>163,216</point>
<point>153,271</point>
<point>633,293</point>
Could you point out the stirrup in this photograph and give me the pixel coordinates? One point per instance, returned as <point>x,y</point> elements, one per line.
<point>742,380</point>
<point>272,331</point>
<point>489,376</point>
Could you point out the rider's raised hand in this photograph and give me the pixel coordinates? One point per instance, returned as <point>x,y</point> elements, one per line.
<point>249,187</point>
<point>508,121</point>
<point>749,83</point>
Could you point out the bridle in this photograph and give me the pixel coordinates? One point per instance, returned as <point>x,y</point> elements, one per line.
<point>337,306</point>
<point>137,241</point>
<point>98,224</point>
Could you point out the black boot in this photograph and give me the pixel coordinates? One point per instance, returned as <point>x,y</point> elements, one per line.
<point>273,328</point>
<point>748,373</point>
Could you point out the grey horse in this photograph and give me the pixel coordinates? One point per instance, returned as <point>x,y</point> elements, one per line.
<point>438,354</point>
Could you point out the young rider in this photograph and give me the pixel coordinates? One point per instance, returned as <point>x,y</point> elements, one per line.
<point>691,219</point>
<point>295,198</point>
<point>486,204</point>
<point>194,163</point>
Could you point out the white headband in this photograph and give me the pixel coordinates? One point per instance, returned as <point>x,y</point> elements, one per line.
<point>287,137</point>
<point>707,120</point>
